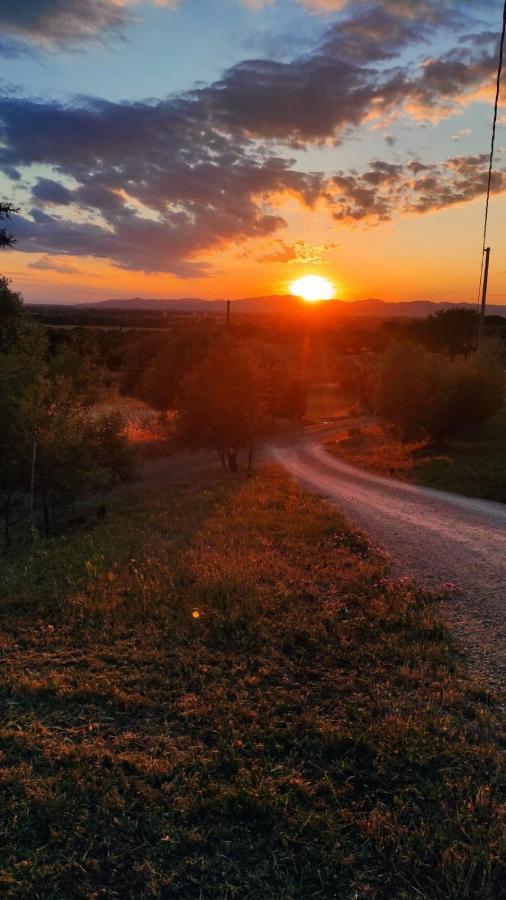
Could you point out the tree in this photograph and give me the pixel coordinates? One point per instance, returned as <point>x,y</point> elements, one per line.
<point>221,402</point>
<point>140,352</point>
<point>12,316</point>
<point>449,330</point>
<point>286,396</point>
<point>6,210</point>
<point>423,392</point>
<point>53,448</point>
<point>160,383</point>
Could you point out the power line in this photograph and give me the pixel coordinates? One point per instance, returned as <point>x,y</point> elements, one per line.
<point>494,124</point>
<point>491,160</point>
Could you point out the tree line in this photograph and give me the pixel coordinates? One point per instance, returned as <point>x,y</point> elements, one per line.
<point>226,388</point>
<point>54,447</point>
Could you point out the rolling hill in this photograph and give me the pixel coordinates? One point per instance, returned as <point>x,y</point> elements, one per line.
<point>286,304</point>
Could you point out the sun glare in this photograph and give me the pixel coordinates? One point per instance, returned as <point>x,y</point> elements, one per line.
<point>313,288</point>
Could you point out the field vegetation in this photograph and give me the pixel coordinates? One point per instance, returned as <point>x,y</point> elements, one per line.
<point>220,691</point>
<point>441,416</point>
<point>216,688</point>
<point>474,465</point>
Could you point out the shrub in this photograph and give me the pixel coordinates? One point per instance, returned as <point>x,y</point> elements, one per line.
<point>420,391</point>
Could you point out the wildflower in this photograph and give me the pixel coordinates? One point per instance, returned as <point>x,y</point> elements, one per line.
<point>196,614</point>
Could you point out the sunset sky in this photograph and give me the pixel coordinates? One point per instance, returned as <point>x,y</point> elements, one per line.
<point>225,148</point>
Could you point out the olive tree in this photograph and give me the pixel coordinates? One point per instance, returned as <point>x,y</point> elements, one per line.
<point>222,404</point>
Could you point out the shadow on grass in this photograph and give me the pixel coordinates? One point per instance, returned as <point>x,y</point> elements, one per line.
<point>256,710</point>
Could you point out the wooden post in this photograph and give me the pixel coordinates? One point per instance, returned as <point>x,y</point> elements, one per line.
<point>481,320</point>
<point>228,315</point>
<point>32,489</point>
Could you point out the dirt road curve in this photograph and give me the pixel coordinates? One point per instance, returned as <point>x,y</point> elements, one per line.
<point>433,536</point>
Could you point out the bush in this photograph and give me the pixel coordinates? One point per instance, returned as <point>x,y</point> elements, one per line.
<point>420,391</point>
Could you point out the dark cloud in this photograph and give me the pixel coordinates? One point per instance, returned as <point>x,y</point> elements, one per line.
<point>49,191</point>
<point>374,33</point>
<point>384,189</point>
<point>155,184</point>
<point>451,75</point>
<point>347,79</point>
<point>412,9</point>
<point>59,22</point>
<point>158,183</point>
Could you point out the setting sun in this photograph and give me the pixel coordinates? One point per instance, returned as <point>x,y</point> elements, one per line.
<point>313,288</point>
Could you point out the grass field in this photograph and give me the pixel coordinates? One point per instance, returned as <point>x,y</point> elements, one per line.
<point>475,466</point>
<point>220,692</point>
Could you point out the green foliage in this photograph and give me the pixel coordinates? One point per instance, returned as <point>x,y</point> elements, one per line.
<point>474,465</point>
<point>12,318</point>
<point>155,364</point>
<point>419,391</point>
<point>139,353</point>
<point>357,380</point>
<point>451,330</point>
<point>52,448</point>
<point>160,383</point>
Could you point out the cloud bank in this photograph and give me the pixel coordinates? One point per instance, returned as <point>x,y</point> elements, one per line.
<point>153,185</point>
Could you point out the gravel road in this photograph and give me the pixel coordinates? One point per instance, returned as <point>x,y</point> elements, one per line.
<point>433,536</point>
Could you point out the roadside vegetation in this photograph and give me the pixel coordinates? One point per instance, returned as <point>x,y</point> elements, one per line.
<point>220,691</point>
<point>473,465</point>
<point>420,392</point>
<point>441,420</point>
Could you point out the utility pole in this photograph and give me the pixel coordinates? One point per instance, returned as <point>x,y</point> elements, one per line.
<point>481,319</point>
<point>228,315</point>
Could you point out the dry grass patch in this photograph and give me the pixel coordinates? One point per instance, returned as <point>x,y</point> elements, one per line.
<point>475,466</point>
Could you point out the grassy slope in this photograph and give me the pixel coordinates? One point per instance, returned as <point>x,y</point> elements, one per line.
<point>221,693</point>
<point>475,467</point>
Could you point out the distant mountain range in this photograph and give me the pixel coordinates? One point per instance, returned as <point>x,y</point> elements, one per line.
<point>286,305</point>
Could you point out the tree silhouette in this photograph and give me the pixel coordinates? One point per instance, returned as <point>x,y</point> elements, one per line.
<point>221,403</point>
<point>6,210</point>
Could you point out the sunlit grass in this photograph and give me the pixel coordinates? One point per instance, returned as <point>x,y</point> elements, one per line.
<point>221,692</point>
<point>475,466</point>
